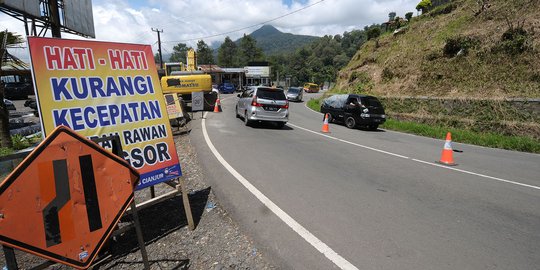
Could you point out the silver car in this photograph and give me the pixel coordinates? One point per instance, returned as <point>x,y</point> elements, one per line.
<point>295,93</point>
<point>263,103</point>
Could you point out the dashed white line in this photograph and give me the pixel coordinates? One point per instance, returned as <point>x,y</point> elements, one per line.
<point>417,160</point>
<point>293,224</point>
<point>478,174</point>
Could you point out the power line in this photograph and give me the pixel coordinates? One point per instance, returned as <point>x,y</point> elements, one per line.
<point>248,27</point>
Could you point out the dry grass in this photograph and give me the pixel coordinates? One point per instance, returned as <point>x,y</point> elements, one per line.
<point>418,67</point>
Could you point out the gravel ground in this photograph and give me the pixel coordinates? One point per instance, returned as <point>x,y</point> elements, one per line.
<point>216,242</point>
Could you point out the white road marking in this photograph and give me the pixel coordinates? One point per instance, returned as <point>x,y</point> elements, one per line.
<point>417,160</point>
<point>293,224</point>
<point>478,174</point>
<point>418,136</point>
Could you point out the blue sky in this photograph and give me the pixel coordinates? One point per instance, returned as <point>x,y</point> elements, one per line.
<point>289,2</point>
<point>188,21</point>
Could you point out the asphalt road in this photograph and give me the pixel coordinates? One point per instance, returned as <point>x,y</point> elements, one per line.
<point>370,200</point>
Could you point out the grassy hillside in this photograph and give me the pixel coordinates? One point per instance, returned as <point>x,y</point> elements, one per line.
<point>454,51</point>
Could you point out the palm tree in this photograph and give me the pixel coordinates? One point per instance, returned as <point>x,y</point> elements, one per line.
<point>6,39</point>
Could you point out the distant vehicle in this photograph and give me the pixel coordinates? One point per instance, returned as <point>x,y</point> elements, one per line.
<point>263,104</point>
<point>311,88</point>
<point>16,90</point>
<point>354,110</point>
<point>295,94</point>
<point>227,88</point>
<point>31,103</point>
<point>9,105</point>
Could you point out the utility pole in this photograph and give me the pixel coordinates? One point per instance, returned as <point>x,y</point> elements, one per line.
<point>54,16</point>
<point>159,46</point>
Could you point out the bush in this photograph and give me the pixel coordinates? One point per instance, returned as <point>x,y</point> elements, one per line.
<point>387,74</point>
<point>19,142</point>
<point>446,9</point>
<point>408,16</point>
<point>459,44</point>
<point>4,151</point>
<point>353,77</point>
<point>424,6</point>
<point>514,41</point>
<point>374,32</point>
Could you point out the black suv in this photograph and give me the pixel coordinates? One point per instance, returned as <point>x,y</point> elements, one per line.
<point>354,110</point>
<point>17,90</point>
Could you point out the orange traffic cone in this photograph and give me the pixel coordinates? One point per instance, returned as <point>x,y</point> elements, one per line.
<point>325,124</point>
<point>447,156</point>
<point>217,106</point>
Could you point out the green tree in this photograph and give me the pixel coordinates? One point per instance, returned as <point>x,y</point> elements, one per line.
<point>340,60</point>
<point>373,32</point>
<point>391,16</point>
<point>248,51</point>
<point>205,54</point>
<point>424,6</point>
<point>227,53</point>
<point>408,16</point>
<point>6,39</point>
<point>352,41</point>
<point>179,53</point>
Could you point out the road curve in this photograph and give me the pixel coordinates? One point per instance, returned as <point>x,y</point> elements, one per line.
<point>376,200</point>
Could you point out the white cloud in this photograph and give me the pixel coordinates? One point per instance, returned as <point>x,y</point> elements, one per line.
<point>185,21</point>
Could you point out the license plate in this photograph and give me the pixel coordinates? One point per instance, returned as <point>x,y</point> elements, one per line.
<point>377,120</point>
<point>268,108</point>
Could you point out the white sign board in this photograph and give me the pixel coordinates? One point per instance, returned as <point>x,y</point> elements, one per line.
<point>197,101</point>
<point>257,72</point>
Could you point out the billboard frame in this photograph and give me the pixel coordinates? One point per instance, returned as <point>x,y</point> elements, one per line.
<point>53,16</point>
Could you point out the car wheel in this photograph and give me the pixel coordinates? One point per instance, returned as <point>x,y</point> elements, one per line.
<point>280,124</point>
<point>350,122</point>
<point>373,127</point>
<point>246,120</point>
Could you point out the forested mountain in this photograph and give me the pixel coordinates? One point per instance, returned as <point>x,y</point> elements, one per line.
<point>320,60</point>
<point>273,41</point>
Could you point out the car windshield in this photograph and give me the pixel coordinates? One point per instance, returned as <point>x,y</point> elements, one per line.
<point>270,94</point>
<point>293,90</point>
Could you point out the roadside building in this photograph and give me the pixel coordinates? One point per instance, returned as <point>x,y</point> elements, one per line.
<point>258,73</point>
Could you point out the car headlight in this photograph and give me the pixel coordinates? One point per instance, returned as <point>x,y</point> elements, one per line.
<point>383,115</point>
<point>365,115</point>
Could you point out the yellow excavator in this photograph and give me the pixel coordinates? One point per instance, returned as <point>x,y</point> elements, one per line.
<point>183,79</point>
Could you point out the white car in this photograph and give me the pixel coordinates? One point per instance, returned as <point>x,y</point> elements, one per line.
<point>263,103</point>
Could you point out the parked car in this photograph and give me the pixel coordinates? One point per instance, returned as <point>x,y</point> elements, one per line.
<point>31,103</point>
<point>311,88</point>
<point>16,90</point>
<point>9,105</point>
<point>295,94</point>
<point>354,110</point>
<point>227,88</point>
<point>263,103</point>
